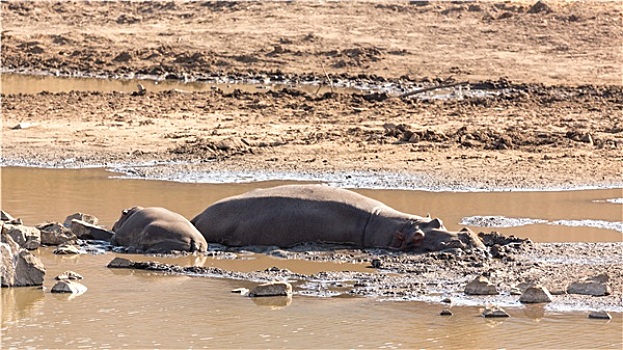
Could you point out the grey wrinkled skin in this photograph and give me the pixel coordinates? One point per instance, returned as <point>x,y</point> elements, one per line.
<point>156,230</point>
<point>288,215</point>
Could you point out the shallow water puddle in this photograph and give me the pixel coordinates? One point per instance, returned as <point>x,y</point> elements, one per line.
<point>143,309</point>
<point>33,84</point>
<point>13,83</point>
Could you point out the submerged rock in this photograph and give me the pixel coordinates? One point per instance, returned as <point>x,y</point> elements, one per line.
<point>67,249</point>
<point>494,311</point>
<point>67,286</point>
<point>481,286</point>
<point>536,294</point>
<point>601,315</point>
<point>120,263</point>
<point>19,267</point>
<point>595,286</point>
<point>445,312</point>
<point>271,289</point>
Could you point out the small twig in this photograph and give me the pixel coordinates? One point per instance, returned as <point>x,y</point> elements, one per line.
<point>327,76</point>
<point>431,88</point>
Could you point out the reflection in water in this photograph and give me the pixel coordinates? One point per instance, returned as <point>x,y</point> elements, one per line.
<point>534,311</point>
<point>20,303</point>
<point>273,302</point>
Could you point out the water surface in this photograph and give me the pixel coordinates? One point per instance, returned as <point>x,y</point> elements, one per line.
<point>125,309</point>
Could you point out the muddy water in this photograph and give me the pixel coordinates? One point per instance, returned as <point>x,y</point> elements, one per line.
<point>140,309</point>
<point>32,84</point>
<point>38,195</point>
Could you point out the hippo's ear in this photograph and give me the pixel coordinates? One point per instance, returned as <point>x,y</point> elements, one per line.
<point>125,211</point>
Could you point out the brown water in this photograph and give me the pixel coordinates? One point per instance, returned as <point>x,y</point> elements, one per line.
<point>33,84</point>
<point>38,195</point>
<point>140,309</point>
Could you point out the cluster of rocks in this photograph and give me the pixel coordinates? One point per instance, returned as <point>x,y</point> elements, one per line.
<point>531,293</point>
<point>20,267</point>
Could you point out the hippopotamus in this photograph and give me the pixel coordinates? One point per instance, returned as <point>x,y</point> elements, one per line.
<point>285,216</point>
<point>156,230</point>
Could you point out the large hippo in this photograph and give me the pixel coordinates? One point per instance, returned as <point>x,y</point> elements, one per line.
<point>288,215</point>
<point>156,230</point>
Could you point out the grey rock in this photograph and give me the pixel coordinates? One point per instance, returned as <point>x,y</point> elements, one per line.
<point>536,294</point>
<point>86,230</point>
<point>601,315</point>
<point>595,286</point>
<point>67,249</point>
<point>67,286</point>
<point>494,311</point>
<point>4,216</point>
<point>19,266</point>
<point>120,263</point>
<point>272,289</point>
<point>68,275</point>
<point>7,218</point>
<point>82,217</point>
<point>28,237</point>
<point>480,286</point>
<point>53,233</point>
<point>445,312</point>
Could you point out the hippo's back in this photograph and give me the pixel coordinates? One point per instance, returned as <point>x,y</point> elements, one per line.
<point>287,215</point>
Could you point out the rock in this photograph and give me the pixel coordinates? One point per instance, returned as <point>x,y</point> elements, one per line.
<point>120,263</point>
<point>536,294</point>
<point>23,125</point>
<point>377,263</point>
<point>53,233</point>
<point>19,267</point>
<point>595,286</point>
<point>26,236</point>
<point>67,249</point>
<point>539,7</point>
<point>241,291</point>
<point>446,300</point>
<point>445,312</point>
<point>67,286</point>
<point>85,230</point>
<point>68,275</point>
<point>494,311</point>
<point>82,217</point>
<point>4,216</point>
<point>7,218</point>
<point>272,289</point>
<point>601,315</point>
<point>480,286</point>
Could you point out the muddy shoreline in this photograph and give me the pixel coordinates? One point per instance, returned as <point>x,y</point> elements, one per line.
<point>438,277</point>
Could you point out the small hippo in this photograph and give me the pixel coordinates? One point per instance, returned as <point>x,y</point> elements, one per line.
<point>156,230</point>
<point>288,215</point>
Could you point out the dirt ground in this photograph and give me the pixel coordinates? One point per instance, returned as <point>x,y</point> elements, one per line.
<point>554,69</point>
<point>557,122</point>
